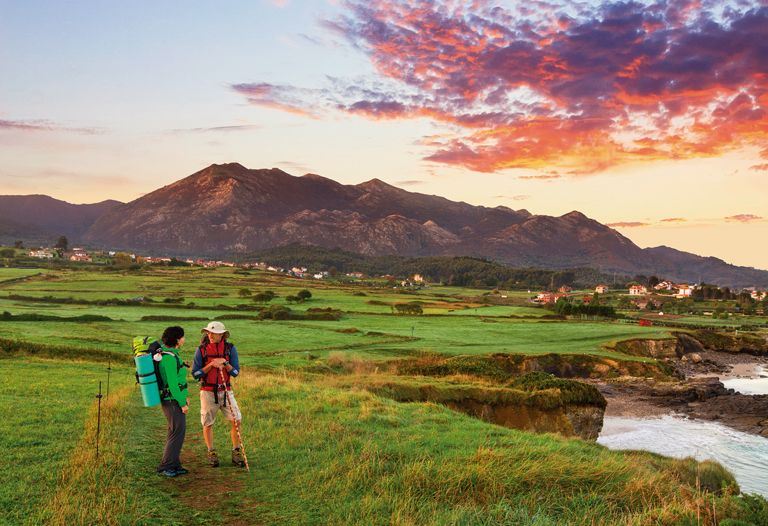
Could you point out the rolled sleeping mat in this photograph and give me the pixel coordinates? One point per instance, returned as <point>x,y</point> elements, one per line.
<point>145,374</point>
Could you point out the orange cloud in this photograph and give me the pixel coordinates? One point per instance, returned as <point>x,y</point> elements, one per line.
<point>574,85</point>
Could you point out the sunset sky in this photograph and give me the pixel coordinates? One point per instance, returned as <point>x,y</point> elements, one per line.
<point>648,116</point>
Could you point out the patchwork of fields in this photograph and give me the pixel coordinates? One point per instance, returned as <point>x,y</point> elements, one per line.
<point>320,454</point>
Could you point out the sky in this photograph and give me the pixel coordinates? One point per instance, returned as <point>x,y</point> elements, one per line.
<point>648,116</point>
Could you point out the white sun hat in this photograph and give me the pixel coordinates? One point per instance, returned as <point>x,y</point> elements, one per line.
<point>216,327</point>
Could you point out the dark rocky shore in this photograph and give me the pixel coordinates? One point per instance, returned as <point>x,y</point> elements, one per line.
<point>698,394</point>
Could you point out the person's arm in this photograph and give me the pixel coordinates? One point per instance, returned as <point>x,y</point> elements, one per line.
<point>198,371</point>
<point>234,362</point>
<point>168,363</point>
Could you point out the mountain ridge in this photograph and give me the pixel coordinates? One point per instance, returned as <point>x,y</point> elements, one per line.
<point>227,209</point>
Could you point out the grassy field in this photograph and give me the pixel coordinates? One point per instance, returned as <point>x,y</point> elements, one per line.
<point>7,274</point>
<point>320,454</point>
<point>46,404</point>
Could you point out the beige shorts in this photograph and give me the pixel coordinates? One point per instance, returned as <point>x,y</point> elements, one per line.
<point>209,407</point>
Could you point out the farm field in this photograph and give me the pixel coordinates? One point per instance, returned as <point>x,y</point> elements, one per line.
<point>319,453</point>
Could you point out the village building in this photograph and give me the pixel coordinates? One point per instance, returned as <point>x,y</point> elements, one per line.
<point>601,289</point>
<point>637,290</point>
<point>548,297</point>
<point>564,289</point>
<point>298,271</point>
<point>43,253</point>
<point>80,256</point>
<point>357,275</point>
<point>683,291</point>
<point>417,278</point>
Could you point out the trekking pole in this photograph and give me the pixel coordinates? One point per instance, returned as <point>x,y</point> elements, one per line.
<point>98,423</point>
<point>237,422</point>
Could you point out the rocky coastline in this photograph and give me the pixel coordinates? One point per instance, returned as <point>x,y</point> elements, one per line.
<point>697,393</point>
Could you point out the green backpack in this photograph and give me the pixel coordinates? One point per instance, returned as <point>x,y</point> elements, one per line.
<point>145,345</point>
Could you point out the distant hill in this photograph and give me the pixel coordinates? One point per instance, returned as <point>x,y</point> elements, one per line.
<point>41,219</point>
<point>228,209</point>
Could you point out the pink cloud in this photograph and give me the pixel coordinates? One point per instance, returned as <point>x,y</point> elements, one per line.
<point>575,85</point>
<point>627,224</point>
<point>743,218</point>
<point>674,220</point>
<point>41,125</point>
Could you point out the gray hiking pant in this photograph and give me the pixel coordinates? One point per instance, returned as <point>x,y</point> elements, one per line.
<point>177,428</point>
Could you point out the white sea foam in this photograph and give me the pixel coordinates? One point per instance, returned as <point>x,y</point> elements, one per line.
<point>745,455</point>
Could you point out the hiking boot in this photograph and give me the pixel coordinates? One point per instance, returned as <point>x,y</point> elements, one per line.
<point>181,471</point>
<point>170,473</point>
<point>213,458</point>
<point>237,457</point>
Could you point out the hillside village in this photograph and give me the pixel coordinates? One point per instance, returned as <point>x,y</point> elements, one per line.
<point>660,296</point>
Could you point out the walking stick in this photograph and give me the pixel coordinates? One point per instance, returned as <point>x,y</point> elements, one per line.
<point>237,422</point>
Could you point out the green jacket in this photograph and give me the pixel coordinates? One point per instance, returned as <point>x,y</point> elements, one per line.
<point>174,375</point>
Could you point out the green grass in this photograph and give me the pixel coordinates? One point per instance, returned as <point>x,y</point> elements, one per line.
<point>320,454</point>
<point>346,457</point>
<point>45,405</point>
<point>7,274</point>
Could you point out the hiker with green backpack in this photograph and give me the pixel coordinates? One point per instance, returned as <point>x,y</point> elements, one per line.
<point>174,394</point>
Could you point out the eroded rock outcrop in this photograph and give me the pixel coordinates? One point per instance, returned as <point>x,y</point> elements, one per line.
<point>536,402</point>
<point>581,421</point>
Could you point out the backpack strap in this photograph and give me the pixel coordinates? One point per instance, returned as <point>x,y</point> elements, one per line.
<point>165,390</point>
<point>227,354</point>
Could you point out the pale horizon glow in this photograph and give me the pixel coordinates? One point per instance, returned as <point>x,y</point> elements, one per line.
<point>112,101</point>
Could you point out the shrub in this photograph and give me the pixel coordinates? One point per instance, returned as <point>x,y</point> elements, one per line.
<point>275,312</point>
<point>409,308</point>
<point>304,295</point>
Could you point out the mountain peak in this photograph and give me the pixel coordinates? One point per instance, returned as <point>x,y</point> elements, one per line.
<point>376,184</point>
<point>228,166</point>
<point>574,214</point>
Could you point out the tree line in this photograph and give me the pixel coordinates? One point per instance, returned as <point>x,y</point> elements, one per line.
<point>449,270</point>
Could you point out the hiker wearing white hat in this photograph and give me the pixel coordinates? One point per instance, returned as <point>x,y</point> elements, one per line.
<point>215,363</point>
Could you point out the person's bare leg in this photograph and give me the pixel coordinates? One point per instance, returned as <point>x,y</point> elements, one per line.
<point>233,434</point>
<point>208,436</point>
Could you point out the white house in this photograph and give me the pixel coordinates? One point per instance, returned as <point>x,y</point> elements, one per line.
<point>43,253</point>
<point>637,290</point>
<point>601,289</point>
<point>683,291</point>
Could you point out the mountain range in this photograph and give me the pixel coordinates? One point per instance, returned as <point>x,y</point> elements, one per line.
<point>228,209</point>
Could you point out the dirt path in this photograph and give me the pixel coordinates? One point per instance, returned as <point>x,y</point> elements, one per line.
<point>212,492</point>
